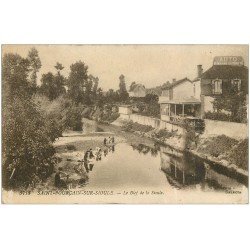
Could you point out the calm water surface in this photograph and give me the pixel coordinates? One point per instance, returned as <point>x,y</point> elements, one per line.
<point>139,166</point>
<point>125,166</point>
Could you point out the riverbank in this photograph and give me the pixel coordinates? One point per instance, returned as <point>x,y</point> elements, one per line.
<point>221,151</point>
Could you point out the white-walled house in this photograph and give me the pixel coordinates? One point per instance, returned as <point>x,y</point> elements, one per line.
<point>181,99</point>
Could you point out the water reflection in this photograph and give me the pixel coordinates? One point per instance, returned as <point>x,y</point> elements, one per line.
<point>184,170</point>
<point>91,157</point>
<point>140,165</point>
<point>144,149</point>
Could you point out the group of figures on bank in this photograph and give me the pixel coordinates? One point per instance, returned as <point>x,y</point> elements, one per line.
<point>64,180</point>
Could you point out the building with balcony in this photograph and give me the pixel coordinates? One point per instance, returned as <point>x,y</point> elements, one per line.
<point>181,99</point>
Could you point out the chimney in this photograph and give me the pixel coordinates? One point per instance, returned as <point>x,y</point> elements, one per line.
<point>174,80</point>
<point>199,71</point>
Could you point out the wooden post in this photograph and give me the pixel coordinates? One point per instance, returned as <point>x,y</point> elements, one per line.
<point>183,110</point>
<point>175,109</point>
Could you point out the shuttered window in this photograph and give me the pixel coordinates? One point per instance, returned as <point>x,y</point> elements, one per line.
<point>236,83</point>
<point>217,86</point>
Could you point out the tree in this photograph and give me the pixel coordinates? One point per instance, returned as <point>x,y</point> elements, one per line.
<point>59,80</point>
<point>112,96</point>
<point>47,87</point>
<point>27,141</point>
<point>122,84</point>
<point>15,70</point>
<point>153,107</point>
<point>95,80</point>
<point>52,85</point>
<point>122,89</point>
<point>99,97</point>
<point>77,81</point>
<point>151,98</point>
<point>35,65</point>
<point>234,102</point>
<point>59,67</point>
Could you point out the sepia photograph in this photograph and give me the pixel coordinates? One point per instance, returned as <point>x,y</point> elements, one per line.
<point>125,124</point>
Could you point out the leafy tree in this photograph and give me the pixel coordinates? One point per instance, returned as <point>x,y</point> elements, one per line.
<point>53,85</point>
<point>111,96</point>
<point>99,97</point>
<point>27,141</point>
<point>77,81</point>
<point>59,67</point>
<point>153,107</point>
<point>234,102</point>
<point>122,89</point>
<point>47,87</point>
<point>95,80</point>
<point>35,65</point>
<point>15,70</point>
<point>74,118</point>
<point>59,83</point>
<point>151,98</point>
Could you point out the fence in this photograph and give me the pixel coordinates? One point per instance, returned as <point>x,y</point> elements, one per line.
<point>212,127</point>
<point>230,129</point>
<point>154,122</point>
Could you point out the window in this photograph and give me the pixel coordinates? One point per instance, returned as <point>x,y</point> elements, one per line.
<point>217,86</point>
<point>236,83</point>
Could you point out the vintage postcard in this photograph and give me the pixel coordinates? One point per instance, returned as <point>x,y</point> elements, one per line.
<point>125,124</point>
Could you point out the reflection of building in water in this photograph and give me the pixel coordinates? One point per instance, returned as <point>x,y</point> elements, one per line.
<point>184,170</point>
<point>179,172</point>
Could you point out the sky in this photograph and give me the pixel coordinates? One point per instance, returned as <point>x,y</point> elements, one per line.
<point>150,65</point>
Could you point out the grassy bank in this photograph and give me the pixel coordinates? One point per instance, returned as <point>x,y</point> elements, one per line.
<point>226,150</point>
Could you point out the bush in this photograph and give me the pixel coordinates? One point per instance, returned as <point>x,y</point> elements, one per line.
<point>134,126</point>
<point>113,117</point>
<point>217,116</point>
<point>163,134</point>
<point>54,114</point>
<point>239,154</point>
<point>28,154</point>
<point>128,126</point>
<point>27,131</point>
<point>74,118</point>
<point>218,145</point>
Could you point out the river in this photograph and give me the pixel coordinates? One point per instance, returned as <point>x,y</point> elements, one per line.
<point>131,165</point>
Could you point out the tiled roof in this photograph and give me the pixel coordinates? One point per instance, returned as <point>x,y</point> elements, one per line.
<point>226,72</point>
<point>174,84</point>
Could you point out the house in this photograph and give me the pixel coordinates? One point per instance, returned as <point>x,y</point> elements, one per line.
<point>227,74</point>
<point>181,99</point>
<point>137,90</point>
